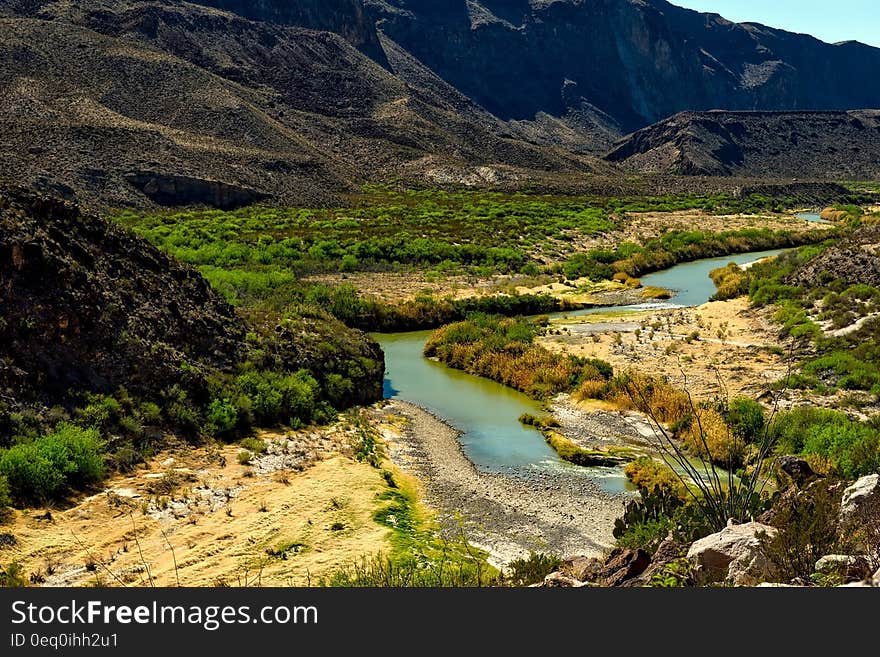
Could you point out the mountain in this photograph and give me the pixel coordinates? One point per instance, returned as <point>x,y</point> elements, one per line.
<point>628,63</point>
<point>225,102</point>
<point>136,103</point>
<point>828,145</point>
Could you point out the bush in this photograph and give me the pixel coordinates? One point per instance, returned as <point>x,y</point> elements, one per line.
<point>5,497</point>
<point>255,445</point>
<point>533,569</point>
<point>71,457</point>
<point>646,521</point>
<point>648,474</point>
<point>12,576</point>
<point>222,418</point>
<point>851,448</point>
<point>746,419</point>
<point>807,524</point>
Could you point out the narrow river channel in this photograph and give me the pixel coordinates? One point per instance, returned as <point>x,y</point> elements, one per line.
<point>487,413</point>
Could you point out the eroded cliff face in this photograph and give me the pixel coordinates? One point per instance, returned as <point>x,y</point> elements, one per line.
<point>636,61</point>
<point>344,17</point>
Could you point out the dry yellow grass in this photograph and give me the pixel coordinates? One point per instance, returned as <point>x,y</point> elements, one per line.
<point>277,529</point>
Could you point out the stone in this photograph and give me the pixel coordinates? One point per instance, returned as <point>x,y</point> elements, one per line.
<point>668,551</point>
<point>559,580</point>
<point>875,580</point>
<point>851,568</point>
<point>583,569</point>
<point>733,555</point>
<point>863,497</point>
<point>623,564</point>
<point>797,469</point>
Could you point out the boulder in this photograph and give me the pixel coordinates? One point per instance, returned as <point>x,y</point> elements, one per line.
<point>733,555</point>
<point>623,564</point>
<point>558,580</point>
<point>583,569</point>
<point>797,469</point>
<point>850,568</point>
<point>862,498</point>
<point>668,551</point>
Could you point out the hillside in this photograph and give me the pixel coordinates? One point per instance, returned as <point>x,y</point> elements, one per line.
<point>829,145</point>
<point>90,309</point>
<point>224,103</point>
<point>133,103</point>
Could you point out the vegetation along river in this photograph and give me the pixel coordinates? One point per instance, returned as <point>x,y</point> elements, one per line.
<point>486,413</point>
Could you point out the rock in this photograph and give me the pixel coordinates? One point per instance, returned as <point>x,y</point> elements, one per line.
<point>863,497</point>
<point>875,580</point>
<point>622,565</point>
<point>668,551</point>
<point>850,568</point>
<point>797,469</point>
<point>733,555</point>
<point>583,569</point>
<point>560,580</point>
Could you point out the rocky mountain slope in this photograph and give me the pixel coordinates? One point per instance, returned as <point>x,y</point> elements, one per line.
<point>625,63</point>
<point>830,145</point>
<point>224,102</point>
<point>127,103</point>
<point>86,307</point>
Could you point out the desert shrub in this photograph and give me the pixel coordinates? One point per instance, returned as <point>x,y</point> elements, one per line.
<point>709,437</point>
<point>222,418</point>
<point>648,473</point>
<point>850,448</point>
<point>71,457</point>
<point>807,524</point>
<point>5,496</point>
<point>279,398</point>
<point>255,445</point>
<point>13,575</point>
<point>651,395</point>
<point>446,569</point>
<point>648,519</point>
<point>675,574</point>
<point>746,419</point>
<point>532,569</point>
<point>245,457</point>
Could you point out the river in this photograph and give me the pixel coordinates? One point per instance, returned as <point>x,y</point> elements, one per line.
<point>487,413</point>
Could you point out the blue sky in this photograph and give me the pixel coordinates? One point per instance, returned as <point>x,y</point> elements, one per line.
<point>841,20</point>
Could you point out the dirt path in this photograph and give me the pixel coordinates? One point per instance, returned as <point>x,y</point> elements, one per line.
<point>508,515</point>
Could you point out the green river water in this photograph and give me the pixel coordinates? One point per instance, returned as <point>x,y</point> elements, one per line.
<point>487,413</point>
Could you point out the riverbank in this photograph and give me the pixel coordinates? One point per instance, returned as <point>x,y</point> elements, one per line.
<point>721,348</point>
<point>508,514</point>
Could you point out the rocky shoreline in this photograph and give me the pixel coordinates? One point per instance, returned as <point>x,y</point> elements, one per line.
<point>507,514</point>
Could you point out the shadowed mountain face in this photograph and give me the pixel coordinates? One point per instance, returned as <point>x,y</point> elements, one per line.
<point>226,102</point>
<point>636,61</point>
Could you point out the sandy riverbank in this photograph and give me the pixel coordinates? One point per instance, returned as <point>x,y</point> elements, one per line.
<point>507,514</point>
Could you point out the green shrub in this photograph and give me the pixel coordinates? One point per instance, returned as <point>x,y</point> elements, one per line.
<point>12,576</point>
<point>255,445</point>
<point>71,457</point>
<point>850,447</point>
<point>5,497</point>
<point>746,419</point>
<point>31,475</point>
<point>222,418</point>
<point>532,569</point>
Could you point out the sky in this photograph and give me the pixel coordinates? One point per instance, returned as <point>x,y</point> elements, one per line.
<point>840,20</point>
